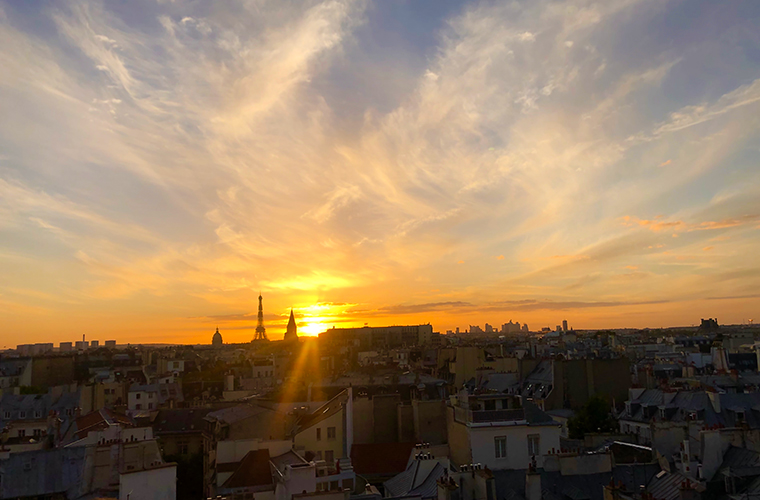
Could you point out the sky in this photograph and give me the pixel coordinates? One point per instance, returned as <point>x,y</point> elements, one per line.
<point>162,162</point>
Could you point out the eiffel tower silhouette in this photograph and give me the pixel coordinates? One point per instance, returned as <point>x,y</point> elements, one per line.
<point>261,332</point>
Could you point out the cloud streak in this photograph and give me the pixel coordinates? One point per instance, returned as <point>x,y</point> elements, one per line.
<point>161,168</point>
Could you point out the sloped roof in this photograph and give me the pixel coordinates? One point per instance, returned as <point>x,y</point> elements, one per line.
<point>409,483</point>
<point>535,415</point>
<point>100,419</point>
<point>290,457</point>
<point>553,484</point>
<point>237,413</point>
<point>740,461</point>
<point>326,410</point>
<point>179,420</point>
<point>254,471</point>
<point>43,472</point>
<point>668,485</point>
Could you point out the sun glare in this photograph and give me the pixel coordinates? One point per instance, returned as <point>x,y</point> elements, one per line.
<point>317,318</point>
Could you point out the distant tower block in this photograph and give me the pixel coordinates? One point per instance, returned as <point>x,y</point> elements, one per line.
<point>261,332</point>
<point>291,333</point>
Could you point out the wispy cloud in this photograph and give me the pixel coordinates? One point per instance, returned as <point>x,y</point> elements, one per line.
<point>170,164</point>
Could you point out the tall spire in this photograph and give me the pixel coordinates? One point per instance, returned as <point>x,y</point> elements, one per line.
<point>291,332</point>
<point>261,332</point>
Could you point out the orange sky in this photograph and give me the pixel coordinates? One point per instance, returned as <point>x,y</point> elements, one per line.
<point>478,162</point>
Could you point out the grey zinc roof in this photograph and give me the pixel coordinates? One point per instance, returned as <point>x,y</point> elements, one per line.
<point>511,484</point>
<point>179,420</point>
<point>43,472</point>
<point>667,485</point>
<point>535,415</point>
<point>740,461</point>
<point>634,475</point>
<point>403,484</point>
<point>236,413</point>
<point>685,402</point>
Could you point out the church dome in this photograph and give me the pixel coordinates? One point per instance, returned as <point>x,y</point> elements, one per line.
<point>216,341</point>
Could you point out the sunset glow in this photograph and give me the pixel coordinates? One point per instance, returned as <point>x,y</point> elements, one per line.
<point>162,163</point>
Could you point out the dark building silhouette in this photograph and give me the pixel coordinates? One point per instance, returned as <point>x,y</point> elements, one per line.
<point>261,332</point>
<point>291,332</point>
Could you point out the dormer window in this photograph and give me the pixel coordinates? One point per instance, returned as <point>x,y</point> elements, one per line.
<point>22,414</point>
<point>740,416</point>
<point>662,413</point>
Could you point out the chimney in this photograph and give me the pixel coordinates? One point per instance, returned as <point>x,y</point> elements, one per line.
<point>715,400</point>
<point>532,484</point>
<point>612,491</point>
<point>686,492</point>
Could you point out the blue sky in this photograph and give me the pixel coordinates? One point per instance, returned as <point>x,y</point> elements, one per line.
<point>161,162</point>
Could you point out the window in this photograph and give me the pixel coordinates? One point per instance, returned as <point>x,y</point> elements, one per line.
<point>183,447</point>
<point>330,457</point>
<point>21,433</point>
<point>319,434</point>
<point>150,395</point>
<point>150,406</point>
<point>534,447</point>
<point>137,396</point>
<point>22,414</point>
<point>7,415</point>
<point>138,406</point>
<point>37,433</point>
<point>37,414</point>
<point>490,404</point>
<point>500,444</point>
<point>331,433</point>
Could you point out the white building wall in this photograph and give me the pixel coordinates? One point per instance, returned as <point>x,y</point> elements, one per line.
<point>153,484</point>
<point>484,451</point>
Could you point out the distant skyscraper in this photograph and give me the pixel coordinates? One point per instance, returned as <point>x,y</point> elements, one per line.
<point>261,332</point>
<point>564,325</point>
<point>291,332</point>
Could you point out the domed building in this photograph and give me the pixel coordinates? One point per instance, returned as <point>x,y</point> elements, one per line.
<point>216,341</point>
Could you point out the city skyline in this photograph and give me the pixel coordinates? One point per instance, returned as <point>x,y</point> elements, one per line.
<point>454,163</point>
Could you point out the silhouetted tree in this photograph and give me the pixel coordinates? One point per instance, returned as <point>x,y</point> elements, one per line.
<point>593,417</point>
